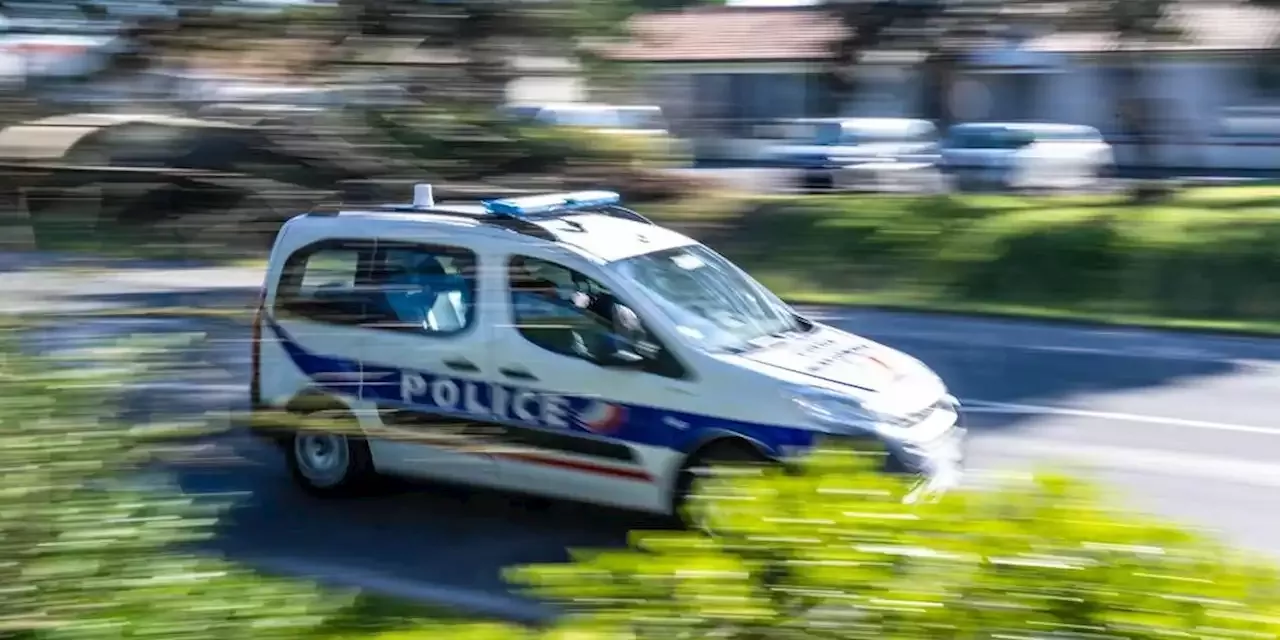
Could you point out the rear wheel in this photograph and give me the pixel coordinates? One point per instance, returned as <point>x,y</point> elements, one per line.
<point>329,462</point>
<point>722,452</point>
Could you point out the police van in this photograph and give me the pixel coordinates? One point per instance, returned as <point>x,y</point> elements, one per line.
<point>565,346</point>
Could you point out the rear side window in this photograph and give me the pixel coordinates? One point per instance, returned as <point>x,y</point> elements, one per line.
<point>334,268</point>
<point>327,282</point>
<point>427,289</point>
<point>415,288</point>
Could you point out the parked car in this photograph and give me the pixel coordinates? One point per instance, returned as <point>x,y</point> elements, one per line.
<point>1025,155</point>
<point>855,153</point>
<point>596,116</point>
<point>624,120</point>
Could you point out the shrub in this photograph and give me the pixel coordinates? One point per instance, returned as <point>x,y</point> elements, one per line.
<point>1204,255</point>
<point>1038,256</point>
<point>87,551</point>
<point>833,552</point>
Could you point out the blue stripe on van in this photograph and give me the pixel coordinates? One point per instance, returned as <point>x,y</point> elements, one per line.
<point>637,424</point>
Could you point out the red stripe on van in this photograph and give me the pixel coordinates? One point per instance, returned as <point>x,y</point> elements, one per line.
<point>577,465</point>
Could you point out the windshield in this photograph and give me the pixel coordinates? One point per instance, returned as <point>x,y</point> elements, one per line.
<point>711,302</point>
<point>997,138</point>
<point>588,118</point>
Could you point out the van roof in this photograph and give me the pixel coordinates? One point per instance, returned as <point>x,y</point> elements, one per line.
<point>596,232</point>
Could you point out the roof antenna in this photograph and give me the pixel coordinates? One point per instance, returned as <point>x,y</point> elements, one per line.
<point>423,197</point>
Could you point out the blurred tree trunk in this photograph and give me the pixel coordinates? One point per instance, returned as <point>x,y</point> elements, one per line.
<point>940,69</point>
<point>864,25</point>
<point>941,30</point>
<point>1135,25</point>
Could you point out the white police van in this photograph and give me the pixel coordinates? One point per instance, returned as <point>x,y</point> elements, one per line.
<point>565,346</point>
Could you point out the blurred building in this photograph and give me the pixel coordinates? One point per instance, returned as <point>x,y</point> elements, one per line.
<point>720,72</point>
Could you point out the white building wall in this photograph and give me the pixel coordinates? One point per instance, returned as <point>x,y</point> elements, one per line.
<point>1195,90</point>
<point>1193,94</point>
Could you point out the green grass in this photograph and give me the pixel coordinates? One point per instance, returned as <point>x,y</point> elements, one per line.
<point>1207,259</point>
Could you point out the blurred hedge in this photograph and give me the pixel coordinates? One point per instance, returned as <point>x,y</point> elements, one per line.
<point>96,540</point>
<point>1206,254</point>
<point>834,552</point>
<point>829,549</point>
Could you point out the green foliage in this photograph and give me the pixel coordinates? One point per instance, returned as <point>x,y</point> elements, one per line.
<point>834,552</point>
<point>86,547</point>
<point>1206,254</point>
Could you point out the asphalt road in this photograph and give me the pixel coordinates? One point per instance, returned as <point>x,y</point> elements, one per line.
<point>1178,424</point>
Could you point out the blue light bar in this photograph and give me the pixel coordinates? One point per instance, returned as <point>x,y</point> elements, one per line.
<point>531,205</point>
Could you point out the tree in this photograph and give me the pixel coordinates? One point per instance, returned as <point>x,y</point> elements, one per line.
<point>940,30</point>
<point>1136,25</point>
<point>483,34</point>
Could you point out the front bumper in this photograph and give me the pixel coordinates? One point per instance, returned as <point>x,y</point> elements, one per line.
<point>937,462</point>
<point>941,469</point>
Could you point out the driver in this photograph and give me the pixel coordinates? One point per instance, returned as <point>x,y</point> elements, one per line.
<point>577,322</point>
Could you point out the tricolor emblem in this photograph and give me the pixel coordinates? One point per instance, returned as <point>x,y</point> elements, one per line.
<point>602,417</point>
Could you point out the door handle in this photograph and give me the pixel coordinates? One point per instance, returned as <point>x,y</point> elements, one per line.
<point>518,374</point>
<point>461,365</point>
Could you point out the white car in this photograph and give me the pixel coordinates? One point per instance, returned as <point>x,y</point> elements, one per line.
<point>858,153</point>
<point>619,119</point>
<point>564,346</point>
<point>1025,155</point>
<point>632,121</point>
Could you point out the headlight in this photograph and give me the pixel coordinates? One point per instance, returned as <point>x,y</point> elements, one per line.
<point>835,413</point>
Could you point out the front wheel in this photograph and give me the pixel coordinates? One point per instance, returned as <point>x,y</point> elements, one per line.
<point>329,463</point>
<point>724,452</point>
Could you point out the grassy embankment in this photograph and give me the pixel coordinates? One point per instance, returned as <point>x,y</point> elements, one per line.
<point>1208,259</point>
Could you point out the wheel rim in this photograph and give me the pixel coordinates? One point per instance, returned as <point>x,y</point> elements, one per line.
<point>322,457</point>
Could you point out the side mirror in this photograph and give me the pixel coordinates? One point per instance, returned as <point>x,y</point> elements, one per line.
<point>627,346</point>
<point>622,359</point>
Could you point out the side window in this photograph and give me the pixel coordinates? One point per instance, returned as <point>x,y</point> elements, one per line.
<point>326,283</point>
<point>565,312</point>
<point>554,307</point>
<point>426,289</point>
<point>383,285</point>
<point>330,269</point>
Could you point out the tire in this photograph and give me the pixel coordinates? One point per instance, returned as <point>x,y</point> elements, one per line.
<point>728,451</point>
<point>327,463</point>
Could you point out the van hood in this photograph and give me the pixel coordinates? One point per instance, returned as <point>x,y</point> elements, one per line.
<point>848,364</point>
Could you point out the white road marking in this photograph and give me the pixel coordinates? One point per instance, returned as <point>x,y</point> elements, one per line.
<point>1143,460</point>
<point>984,406</point>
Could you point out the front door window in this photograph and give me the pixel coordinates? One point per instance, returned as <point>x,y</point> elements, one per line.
<point>567,313</point>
